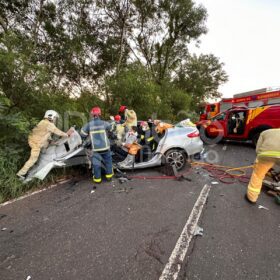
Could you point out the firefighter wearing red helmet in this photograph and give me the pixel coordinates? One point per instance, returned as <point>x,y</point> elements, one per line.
<point>128,117</point>
<point>122,113</point>
<point>97,129</point>
<point>117,118</point>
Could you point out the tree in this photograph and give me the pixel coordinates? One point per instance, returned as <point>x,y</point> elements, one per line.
<point>200,77</point>
<point>164,29</point>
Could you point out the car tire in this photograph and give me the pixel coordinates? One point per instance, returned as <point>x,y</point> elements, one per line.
<point>177,157</point>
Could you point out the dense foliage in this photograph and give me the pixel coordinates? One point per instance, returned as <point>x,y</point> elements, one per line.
<point>71,55</point>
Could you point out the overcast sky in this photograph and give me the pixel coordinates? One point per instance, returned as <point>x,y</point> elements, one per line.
<point>245,35</point>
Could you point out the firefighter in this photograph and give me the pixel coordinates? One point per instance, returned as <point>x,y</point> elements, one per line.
<point>268,153</point>
<point>39,138</point>
<point>128,117</point>
<point>117,119</point>
<point>97,129</point>
<point>122,113</point>
<point>161,127</point>
<point>146,135</point>
<point>147,140</point>
<point>115,123</point>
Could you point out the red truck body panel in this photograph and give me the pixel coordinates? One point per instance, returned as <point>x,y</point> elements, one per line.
<point>250,99</point>
<point>241,123</point>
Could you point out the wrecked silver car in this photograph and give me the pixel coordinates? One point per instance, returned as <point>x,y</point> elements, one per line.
<point>175,147</point>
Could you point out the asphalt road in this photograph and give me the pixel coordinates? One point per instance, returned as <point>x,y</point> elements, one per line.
<point>128,231</point>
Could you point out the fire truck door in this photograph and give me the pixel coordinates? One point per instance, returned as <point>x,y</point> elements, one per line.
<point>236,124</point>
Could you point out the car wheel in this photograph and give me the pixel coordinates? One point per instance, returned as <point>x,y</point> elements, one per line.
<point>176,157</point>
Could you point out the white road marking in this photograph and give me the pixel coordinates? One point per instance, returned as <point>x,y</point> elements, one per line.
<point>36,192</point>
<point>172,268</point>
<point>224,147</point>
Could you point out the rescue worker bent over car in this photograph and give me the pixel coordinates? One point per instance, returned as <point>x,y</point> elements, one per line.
<point>161,127</point>
<point>39,138</point>
<point>97,130</point>
<point>268,153</point>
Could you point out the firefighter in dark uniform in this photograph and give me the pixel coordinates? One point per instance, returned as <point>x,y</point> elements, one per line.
<point>147,140</point>
<point>97,130</point>
<point>146,135</point>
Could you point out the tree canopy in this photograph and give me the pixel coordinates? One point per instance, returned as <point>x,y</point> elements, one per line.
<point>75,54</point>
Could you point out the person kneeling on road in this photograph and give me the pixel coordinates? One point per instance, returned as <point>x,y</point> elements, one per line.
<point>268,154</point>
<point>98,129</point>
<point>39,138</point>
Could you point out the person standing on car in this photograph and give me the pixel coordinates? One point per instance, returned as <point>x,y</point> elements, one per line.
<point>268,153</point>
<point>39,138</point>
<point>97,129</point>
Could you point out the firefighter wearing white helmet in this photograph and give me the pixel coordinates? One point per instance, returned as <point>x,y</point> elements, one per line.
<point>39,138</point>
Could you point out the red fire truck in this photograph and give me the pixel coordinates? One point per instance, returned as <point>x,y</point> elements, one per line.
<point>250,99</point>
<point>240,123</point>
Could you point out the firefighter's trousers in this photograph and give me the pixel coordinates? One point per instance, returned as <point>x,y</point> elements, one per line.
<point>34,155</point>
<point>99,160</point>
<point>261,167</point>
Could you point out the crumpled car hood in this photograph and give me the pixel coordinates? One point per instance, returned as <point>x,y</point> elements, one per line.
<point>66,152</point>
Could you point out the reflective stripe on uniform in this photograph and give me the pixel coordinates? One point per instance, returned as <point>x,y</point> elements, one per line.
<point>270,154</point>
<point>97,180</point>
<point>108,176</point>
<point>102,149</point>
<point>98,131</point>
<point>83,132</point>
<point>254,190</point>
<point>150,139</point>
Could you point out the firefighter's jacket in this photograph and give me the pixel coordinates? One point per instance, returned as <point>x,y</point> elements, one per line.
<point>146,137</point>
<point>162,127</point>
<point>130,118</point>
<point>97,130</point>
<point>41,134</point>
<point>269,144</point>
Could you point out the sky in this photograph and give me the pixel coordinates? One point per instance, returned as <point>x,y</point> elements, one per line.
<point>245,35</point>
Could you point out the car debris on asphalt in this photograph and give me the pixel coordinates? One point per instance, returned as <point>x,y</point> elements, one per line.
<point>198,231</point>
<point>263,207</point>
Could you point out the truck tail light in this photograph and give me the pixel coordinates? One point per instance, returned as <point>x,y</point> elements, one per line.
<point>193,134</point>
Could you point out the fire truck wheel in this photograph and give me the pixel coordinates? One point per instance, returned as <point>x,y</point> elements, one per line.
<point>207,139</point>
<point>255,138</point>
